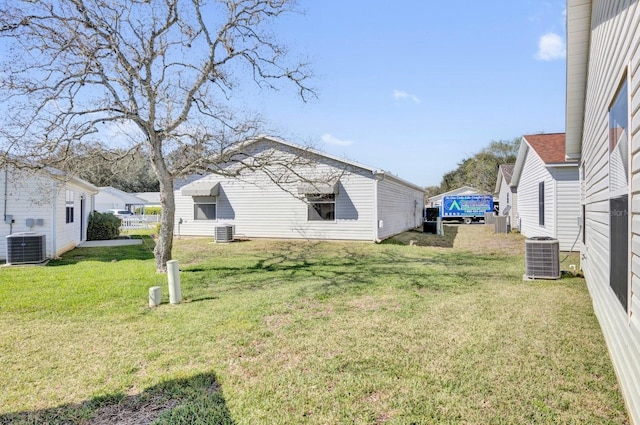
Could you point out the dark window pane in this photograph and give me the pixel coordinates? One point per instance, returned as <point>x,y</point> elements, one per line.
<point>204,212</point>
<point>541,203</point>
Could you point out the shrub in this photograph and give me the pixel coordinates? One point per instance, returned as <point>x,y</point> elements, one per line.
<point>149,210</point>
<point>103,226</point>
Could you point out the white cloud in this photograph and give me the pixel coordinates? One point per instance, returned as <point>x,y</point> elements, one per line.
<point>330,140</point>
<point>550,47</point>
<point>402,95</point>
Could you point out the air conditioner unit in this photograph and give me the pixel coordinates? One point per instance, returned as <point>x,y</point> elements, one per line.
<point>542,258</point>
<point>489,218</point>
<point>500,224</point>
<point>26,248</point>
<point>224,233</point>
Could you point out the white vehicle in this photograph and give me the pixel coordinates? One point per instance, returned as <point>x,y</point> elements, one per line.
<point>120,213</point>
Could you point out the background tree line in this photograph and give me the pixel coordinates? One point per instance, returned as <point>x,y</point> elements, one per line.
<point>127,170</point>
<point>480,170</point>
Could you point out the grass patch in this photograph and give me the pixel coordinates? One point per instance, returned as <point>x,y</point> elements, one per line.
<point>305,332</point>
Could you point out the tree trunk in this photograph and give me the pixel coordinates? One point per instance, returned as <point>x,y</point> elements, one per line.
<point>164,244</point>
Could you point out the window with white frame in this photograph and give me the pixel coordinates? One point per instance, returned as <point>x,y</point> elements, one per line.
<point>204,208</point>
<point>619,188</point>
<point>69,203</point>
<point>322,206</point>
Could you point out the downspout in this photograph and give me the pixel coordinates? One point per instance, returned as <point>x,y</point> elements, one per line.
<point>555,209</point>
<point>54,222</point>
<point>6,196</point>
<point>377,177</point>
<point>6,176</point>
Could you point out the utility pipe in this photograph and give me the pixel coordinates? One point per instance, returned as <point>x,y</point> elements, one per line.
<point>173,274</point>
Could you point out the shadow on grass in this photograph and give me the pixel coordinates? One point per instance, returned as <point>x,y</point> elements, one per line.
<point>348,270</point>
<point>110,254</point>
<point>195,400</point>
<point>425,239</point>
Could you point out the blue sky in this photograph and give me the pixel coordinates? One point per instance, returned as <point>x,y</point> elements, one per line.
<point>414,87</point>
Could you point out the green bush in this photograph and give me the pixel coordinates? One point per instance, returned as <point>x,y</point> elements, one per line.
<point>149,210</point>
<point>103,226</point>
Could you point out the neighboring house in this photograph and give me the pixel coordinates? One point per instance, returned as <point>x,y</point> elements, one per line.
<point>111,198</point>
<point>603,134</point>
<point>507,195</point>
<point>46,203</point>
<point>548,190</point>
<point>324,198</point>
<point>436,201</point>
<point>151,199</point>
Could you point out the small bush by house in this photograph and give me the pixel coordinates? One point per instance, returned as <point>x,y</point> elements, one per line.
<point>103,226</point>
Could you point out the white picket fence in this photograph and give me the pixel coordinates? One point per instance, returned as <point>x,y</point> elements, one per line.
<point>139,221</point>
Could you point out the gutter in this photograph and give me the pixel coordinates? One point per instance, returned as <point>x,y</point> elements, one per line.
<point>578,30</point>
<point>517,168</point>
<point>378,176</point>
<point>569,164</point>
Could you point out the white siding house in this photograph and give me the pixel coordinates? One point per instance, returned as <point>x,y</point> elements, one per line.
<point>507,194</point>
<point>46,203</point>
<point>548,189</point>
<point>323,198</point>
<point>111,198</point>
<point>603,134</point>
<point>151,199</point>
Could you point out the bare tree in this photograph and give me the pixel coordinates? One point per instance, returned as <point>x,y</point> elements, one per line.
<point>165,68</point>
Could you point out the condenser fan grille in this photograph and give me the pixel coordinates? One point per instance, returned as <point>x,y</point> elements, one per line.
<point>224,234</point>
<point>542,256</point>
<point>26,247</point>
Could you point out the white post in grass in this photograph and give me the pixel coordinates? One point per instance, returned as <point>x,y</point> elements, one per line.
<point>155,296</point>
<point>173,273</point>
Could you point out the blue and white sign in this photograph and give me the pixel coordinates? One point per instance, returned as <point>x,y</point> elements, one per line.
<point>466,205</point>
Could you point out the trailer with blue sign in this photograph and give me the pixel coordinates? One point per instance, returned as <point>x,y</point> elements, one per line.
<point>467,208</point>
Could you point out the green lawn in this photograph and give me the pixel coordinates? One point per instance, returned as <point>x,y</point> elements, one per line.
<point>288,332</point>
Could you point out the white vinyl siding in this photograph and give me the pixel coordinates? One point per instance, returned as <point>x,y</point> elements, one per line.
<point>258,207</point>
<point>399,207</point>
<point>107,201</point>
<point>561,201</point>
<point>534,172</point>
<point>507,196</point>
<point>28,196</point>
<point>614,52</point>
<point>34,196</point>
<point>567,207</point>
<point>67,234</point>
<point>262,209</point>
